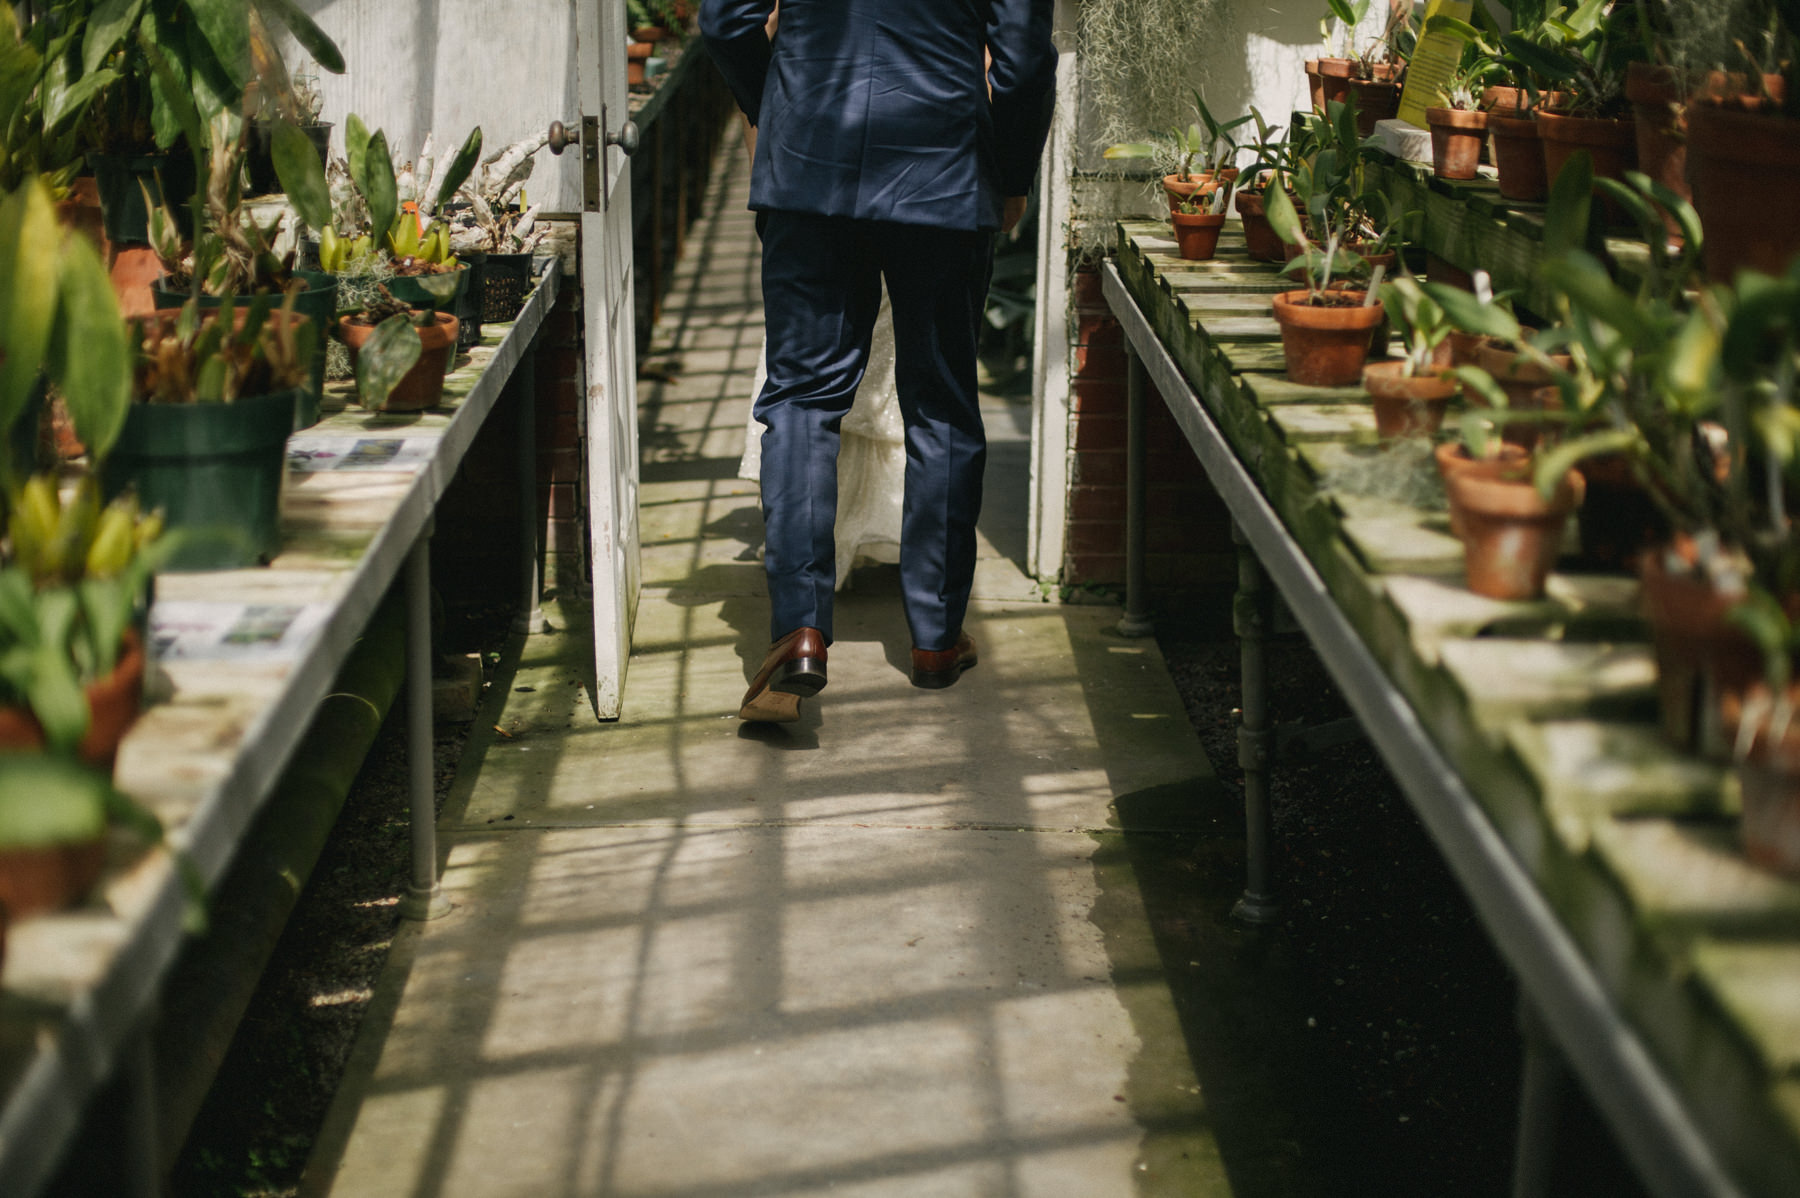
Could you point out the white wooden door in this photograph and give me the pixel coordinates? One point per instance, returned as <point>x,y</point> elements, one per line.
<point>607,136</point>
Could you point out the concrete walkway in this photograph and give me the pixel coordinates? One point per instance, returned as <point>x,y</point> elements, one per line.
<point>880,952</point>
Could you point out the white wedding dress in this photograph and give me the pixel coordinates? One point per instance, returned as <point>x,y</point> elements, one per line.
<point>871,458</point>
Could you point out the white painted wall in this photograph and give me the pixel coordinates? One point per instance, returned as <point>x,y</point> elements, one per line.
<point>445,66</point>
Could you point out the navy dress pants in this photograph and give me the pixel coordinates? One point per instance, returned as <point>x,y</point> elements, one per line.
<point>822,280</point>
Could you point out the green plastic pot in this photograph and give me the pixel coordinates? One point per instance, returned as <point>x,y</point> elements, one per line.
<point>122,211</point>
<point>214,469</point>
<point>317,303</point>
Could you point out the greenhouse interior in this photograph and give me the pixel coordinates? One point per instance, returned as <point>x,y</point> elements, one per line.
<point>1345,445</point>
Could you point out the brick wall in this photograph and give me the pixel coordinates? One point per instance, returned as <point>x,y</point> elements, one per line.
<point>560,451</point>
<point>1188,537</point>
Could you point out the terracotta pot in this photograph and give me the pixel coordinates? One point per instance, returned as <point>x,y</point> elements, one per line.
<point>423,385</point>
<point>1315,85</point>
<point>1619,518</point>
<point>1197,234</point>
<point>636,54</point>
<point>1200,183</point>
<point>1659,98</point>
<point>48,878</point>
<point>1376,100</point>
<point>80,211</point>
<point>113,705</point>
<point>1768,787</point>
<point>1517,102</point>
<point>1701,656</point>
<point>1407,405</point>
<point>1325,345</point>
<point>1518,157</point>
<point>1510,535</point>
<point>1334,80</point>
<point>1462,347</point>
<point>1456,138</point>
<point>1528,388</point>
<point>1745,169</point>
<point>1452,459</point>
<point>1440,270</point>
<point>1613,144</point>
<point>1260,238</point>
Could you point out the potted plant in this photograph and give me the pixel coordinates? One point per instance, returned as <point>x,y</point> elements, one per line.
<point>206,440</point>
<point>59,327</point>
<point>1411,394</point>
<point>400,353</point>
<point>1325,330</point>
<point>1197,223</point>
<point>498,223</point>
<point>227,254</point>
<point>1749,144</point>
<point>1275,159</point>
<point>1330,73</point>
<point>1196,159</point>
<point>158,52</point>
<point>1379,69</point>
<point>299,106</point>
<point>55,817</point>
<point>1457,122</point>
<point>367,238</point>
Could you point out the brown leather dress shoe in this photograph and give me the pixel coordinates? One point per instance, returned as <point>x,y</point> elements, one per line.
<point>934,669</point>
<point>793,670</point>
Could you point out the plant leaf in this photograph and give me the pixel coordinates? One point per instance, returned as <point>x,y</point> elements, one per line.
<point>1571,199</point>
<point>90,353</point>
<point>301,173</point>
<point>378,187</point>
<point>1471,315</point>
<point>460,167</point>
<point>227,30</point>
<point>312,39</point>
<point>1552,466</point>
<point>1282,217</point>
<point>385,358</point>
<point>49,800</point>
<point>107,26</point>
<point>28,264</point>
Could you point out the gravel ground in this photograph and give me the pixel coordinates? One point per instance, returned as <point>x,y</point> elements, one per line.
<point>1375,1024</point>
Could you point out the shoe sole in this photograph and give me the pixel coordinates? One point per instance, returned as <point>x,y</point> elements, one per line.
<point>937,680</point>
<point>779,702</point>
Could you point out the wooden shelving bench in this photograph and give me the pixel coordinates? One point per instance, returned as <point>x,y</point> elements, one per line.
<point>1653,959</point>
<point>245,657</point>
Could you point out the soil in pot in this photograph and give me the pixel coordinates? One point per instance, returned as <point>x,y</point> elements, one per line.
<point>1518,157</point>
<point>216,470</point>
<point>1407,405</point>
<point>1611,142</point>
<point>1510,535</point>
<point>1745,169</point>
<point>1457,135</point>
<point>1325,344</point>
<point>421,387</point>
<point>1260,239</point>
<point>113,705</point>
<point>1197,234</point>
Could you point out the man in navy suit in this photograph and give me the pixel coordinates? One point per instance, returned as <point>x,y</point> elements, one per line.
<point>887,150</point>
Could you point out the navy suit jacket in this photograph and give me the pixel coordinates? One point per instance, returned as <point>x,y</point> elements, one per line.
<point>878,109</point>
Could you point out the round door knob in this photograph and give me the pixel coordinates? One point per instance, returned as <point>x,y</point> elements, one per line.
<point>626,138</point>
<point>562,137</point>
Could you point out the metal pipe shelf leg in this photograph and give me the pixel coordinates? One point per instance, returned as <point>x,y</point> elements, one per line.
<point>1542,1083</point>
<point>424,898</point>
<point>1250,620</point>
<point>1136,620</point>
<point>531,583</point>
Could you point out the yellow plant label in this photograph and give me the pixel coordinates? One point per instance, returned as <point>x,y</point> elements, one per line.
<point>1433,60</point>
